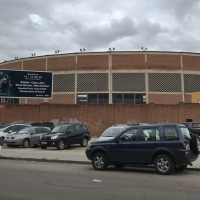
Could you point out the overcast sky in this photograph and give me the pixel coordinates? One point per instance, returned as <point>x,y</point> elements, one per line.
<point>43,26</point>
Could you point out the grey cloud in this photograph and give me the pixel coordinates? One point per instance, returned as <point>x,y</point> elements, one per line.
<point>68,25</point>
<point>105,34</point>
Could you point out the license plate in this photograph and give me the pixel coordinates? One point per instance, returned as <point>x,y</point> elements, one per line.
<point>44,142</point>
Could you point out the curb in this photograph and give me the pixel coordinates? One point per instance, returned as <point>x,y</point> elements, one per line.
<point>45,160</point>
<point>78,162</point>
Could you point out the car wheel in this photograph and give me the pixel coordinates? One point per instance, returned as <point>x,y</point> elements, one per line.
<point>180,168</point>
<point>25,143</point>
<point>84,142</point>
<point>99,162</point>
<point>163,164</point>
<point>118,165</point>
<point>61,145</point>
<point>1,141</point>
<point>43,147</point>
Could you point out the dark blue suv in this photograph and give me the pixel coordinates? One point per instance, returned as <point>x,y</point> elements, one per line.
<point>167,146</point>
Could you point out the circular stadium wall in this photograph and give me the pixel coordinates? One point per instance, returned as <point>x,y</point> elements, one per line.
<point>114,76</point>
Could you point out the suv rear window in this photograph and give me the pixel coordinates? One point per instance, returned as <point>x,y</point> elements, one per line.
<point>185,132</point>
<point>170,133</point>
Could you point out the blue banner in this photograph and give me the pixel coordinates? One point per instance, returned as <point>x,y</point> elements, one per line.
<point>26,84</point>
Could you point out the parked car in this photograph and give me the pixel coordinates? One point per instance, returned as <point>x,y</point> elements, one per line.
<point>194,127</point>
<point>44,124</point>
<point>11,129</point>
<point>65,135</point>
<point>27,136</point>
<point>3,126</point>
<point>112,131</point>
<point>167,146</point>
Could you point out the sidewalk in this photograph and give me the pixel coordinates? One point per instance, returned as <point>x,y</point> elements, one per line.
<point>74,154</point>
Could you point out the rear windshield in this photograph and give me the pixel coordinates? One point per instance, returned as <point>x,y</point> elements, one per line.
<point>112,131</point>
<point>185,132</point>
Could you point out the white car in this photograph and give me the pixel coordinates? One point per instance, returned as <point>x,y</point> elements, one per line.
<point>11,129</point>
<point>112,132</point>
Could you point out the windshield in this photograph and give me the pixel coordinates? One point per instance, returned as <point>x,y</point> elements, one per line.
<point>185,132</point>
<point>3,126</point>
<point>25,130</point>
<point>112,132</point>
<point>60,129</point>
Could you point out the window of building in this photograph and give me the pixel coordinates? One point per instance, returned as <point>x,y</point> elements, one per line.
<point>9,100</point>
<point>82,98</point>
<point>93,98</point>
<point>130,98</point>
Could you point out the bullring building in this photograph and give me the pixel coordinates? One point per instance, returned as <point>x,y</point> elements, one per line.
<point>115,76</point>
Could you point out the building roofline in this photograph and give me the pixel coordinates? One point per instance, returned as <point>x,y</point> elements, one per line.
<point>100,52</point>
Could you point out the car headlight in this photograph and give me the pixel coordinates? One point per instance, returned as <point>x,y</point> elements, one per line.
<point>40,137</point>
<point>88,146</point>
<point>54,137</point>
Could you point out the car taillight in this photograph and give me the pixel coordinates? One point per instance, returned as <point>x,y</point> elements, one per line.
<point>184,145</point>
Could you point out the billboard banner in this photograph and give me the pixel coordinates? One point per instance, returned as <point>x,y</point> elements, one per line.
<point>26,84</point>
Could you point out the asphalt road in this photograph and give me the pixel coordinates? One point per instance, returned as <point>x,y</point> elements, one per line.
<point>26,180</point>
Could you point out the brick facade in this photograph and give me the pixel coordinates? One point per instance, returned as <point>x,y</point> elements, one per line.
<point>128,61</point>
<point>35,64</point>
<point>191,62</point>
<point>115,62</point>
<point>163,62</point>
<point>92,62</point>
<point>64,63</point>
<point>99,117</point>
<point>164,98</point>
<point>62,99</point>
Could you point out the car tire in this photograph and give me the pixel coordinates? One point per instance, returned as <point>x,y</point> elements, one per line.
<point>25,143</point>
<point>194,144</point>
<point>61,145</point>
<point>99,162</point>
<point>1,141</point>
<point>84,142</point>
<point>43,147</point>
<point>180,168</point>
<point>119,166</point>
<point>163,164</point>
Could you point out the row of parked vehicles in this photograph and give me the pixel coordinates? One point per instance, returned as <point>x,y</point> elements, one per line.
<point>45,135</point>
<point>167,147</point>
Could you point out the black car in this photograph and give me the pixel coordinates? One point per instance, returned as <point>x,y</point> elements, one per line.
<point>194,127</point>
<point>167,146</point>
<point>65,135</point>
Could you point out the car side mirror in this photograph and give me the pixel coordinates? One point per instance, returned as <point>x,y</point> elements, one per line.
<point>10,131</point>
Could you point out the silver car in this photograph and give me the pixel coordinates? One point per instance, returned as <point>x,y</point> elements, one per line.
<point>27,136</point>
